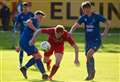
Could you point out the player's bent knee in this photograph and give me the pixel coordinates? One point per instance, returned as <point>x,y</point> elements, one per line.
<point>37,55</point>
<point>90,52</point>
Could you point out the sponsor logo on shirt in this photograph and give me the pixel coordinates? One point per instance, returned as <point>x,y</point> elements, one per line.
<point>89,28</point>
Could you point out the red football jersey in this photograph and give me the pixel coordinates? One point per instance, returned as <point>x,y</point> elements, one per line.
<point>54,41</point>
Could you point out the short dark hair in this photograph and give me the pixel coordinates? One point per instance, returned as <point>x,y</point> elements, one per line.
<point>25,4</point>
<point>86,4</point>
<point>39,12</point>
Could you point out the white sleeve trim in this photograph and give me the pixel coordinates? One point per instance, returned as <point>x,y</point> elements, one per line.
<point>28,20</point>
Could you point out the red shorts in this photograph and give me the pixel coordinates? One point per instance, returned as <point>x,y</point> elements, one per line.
<point>55,49</point>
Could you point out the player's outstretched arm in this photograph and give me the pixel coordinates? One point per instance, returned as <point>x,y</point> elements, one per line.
<point>76,25</point>
<point>107,26</point>
<point>76,61</point>
<point>76,48</point>
<point>30,25</point>
<point>15,26</point>
<point>32,41</point>
<point>36,33</point>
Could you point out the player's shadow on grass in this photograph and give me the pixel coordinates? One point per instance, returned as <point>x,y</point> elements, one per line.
<point>93,81</point>
<point>113,51</point>
<point>37,80</point>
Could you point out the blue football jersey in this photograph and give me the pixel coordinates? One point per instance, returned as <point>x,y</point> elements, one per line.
<point>92,28</point>
<point>28,33</point>
<point>22,18</point>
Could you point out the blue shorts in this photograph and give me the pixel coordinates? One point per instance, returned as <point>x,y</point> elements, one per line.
<point>95,45</point>
<point>27,48</point>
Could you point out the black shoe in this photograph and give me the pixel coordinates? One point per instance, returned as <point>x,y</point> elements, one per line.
<point>87,78</point>
<point>45,77</point>
<point>24,72</point>
<point>91,76</point>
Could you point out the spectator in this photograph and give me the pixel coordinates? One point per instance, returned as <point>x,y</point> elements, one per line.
<point>14,10</point>
<point>0,8</point>
<point>5,16</point>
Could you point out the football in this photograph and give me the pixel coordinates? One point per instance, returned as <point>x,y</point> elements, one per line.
<point>45,45</point>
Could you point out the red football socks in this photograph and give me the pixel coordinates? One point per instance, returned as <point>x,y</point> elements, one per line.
<point>54,70</point>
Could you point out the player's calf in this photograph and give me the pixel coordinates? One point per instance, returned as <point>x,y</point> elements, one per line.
<point>41,68</point>
<point>48,65</point>
<point>48,62</point>
<point>55,67</point>
<point>20,58</point>
<point>90,54</point>
<point>40,65</point>
<point>53,71</point>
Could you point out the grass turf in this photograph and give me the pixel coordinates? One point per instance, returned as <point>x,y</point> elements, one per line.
<point>106,60</point>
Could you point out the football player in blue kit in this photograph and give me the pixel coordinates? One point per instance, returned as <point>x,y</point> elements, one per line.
<point>93,36</point>
<point>32,25</point>
<point>20,24</point>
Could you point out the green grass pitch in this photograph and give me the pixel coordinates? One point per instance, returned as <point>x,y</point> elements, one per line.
<point>107,62</point>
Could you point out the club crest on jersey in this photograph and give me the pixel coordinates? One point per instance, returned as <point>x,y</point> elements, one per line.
<point>85,19</point>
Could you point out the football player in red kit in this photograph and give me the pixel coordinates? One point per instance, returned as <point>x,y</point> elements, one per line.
<point>56,37</point>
